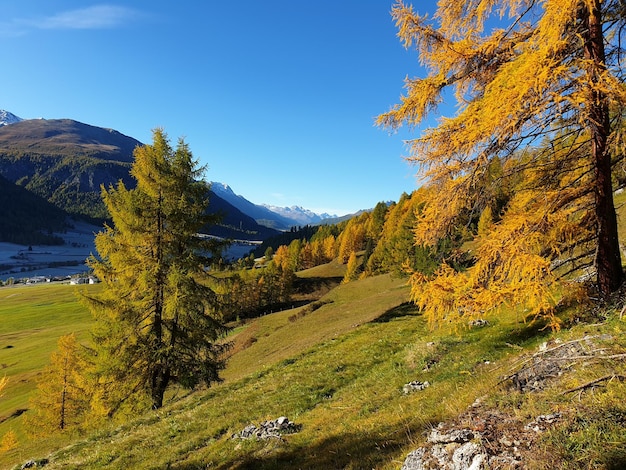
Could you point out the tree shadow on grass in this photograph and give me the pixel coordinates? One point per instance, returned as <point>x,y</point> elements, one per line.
<point>402,310</point>
<point>366,449</point>
<point>525,332</point>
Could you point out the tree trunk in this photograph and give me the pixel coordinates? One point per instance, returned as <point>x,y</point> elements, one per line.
<point>608,259</point>
<point>160,380</point>
<point>63,395</point>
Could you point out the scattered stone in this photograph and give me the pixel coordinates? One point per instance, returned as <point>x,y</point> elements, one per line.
<point>478,402</point>
<point>478,323</point>
<point>453,450</point>
<point>481,438</point>
<point>34,463</point>
<point>484,437</point>
<point>542,422</point>
<point>551,361</point>
<point>273,429</point>
<point>414,386</point>
<point>458,436</point>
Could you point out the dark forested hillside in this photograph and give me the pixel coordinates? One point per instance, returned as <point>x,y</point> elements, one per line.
<point>26,218</point>
<point>234,223</point>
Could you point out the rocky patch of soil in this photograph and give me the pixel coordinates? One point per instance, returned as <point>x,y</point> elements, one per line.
<point>486,438</point>
<point>273,429</point>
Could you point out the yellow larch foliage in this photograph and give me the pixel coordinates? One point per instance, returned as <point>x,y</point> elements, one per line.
<point>330,247</point>
<point>352,268</point>
<point>542,93</point>
<point>281,257</point>
<point>8,442</point>
<point>60,402</point>
<point>351,239</point>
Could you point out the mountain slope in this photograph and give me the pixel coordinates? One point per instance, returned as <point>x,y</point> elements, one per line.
<point>235,224</point>
<point>340,373</point>
<point>66,162</point>
<point>60,137</point>
<point>261,214</point>
<point>281,218</point>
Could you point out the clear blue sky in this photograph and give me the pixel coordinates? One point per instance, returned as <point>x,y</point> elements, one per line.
<point>278,97</point>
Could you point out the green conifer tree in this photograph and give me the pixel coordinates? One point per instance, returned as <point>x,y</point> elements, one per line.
<point>157,318</point>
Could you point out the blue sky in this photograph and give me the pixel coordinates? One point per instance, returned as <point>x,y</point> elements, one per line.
<point>278,97</point>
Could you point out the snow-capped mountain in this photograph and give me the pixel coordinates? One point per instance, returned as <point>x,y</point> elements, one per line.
<point>281,218</point>
<point>7,118</point>
<point>299,215</point>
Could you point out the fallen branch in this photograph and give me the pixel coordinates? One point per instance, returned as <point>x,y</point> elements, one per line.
<point>578,358</point>
<point>594,382</point>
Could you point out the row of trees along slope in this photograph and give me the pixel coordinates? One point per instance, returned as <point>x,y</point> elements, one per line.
<point>541,96</point>
<point>377,241</point>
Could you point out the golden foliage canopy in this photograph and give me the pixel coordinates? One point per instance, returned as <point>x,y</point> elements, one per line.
<point>540,91</point>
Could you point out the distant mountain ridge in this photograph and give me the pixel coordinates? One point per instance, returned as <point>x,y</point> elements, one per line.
<point>58,137</point>
<point>300,215</point>
<point>281,218</point>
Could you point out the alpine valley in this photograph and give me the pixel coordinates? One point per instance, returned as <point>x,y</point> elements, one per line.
<point>52,170</point>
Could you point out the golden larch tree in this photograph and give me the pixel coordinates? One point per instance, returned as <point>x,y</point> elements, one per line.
<point>539,89</point>
<point>61,401</point>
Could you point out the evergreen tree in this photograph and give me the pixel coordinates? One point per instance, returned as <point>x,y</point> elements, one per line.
<point>157,318</point>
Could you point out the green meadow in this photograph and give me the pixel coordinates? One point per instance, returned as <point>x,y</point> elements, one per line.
<point>32,318</point>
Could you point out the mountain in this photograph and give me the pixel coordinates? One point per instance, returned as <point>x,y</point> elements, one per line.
<point>261,214</point>
<point>299,215</point>
<point>63,137</point>
<point>281,218</point>
<point>7,118</point>
<point>65,162</point>
<point>236,224</point>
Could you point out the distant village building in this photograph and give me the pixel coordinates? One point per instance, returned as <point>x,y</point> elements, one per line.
<point>84,280</point>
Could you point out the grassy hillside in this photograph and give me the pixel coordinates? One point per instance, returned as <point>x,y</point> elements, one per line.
<point>338,372</point>
<point>337,367</point>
